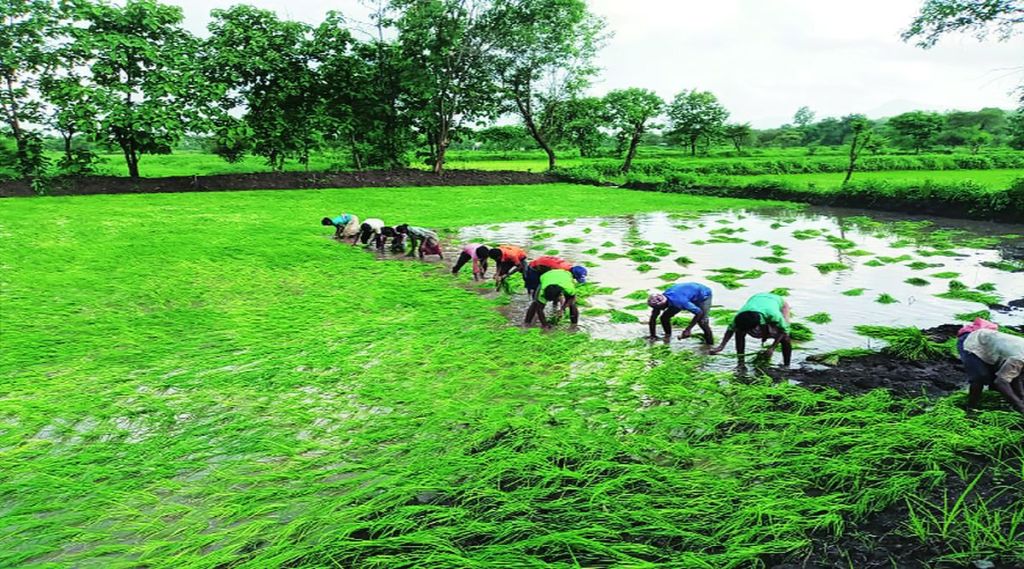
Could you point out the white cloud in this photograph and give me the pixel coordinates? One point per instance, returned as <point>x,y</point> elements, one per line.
<point>766,58</point>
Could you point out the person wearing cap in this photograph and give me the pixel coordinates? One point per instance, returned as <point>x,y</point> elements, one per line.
<point>478,254</point>
<point>555,285</point>
<point>537,267</point>
<point>508,259</point>
<point>692,297</point>
<point>992,359</point>
<point>345,225</point>
<point>764,316</point>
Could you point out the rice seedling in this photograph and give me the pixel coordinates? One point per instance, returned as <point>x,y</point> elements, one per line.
<point>819,318</point>
<point>959,291</point>
<point>986,287</point>
<point>607,244</point>
<point>946,275</point>
<point>805,234</point>
<point>825,268</point>
<point>637,295</point>
<point>552,252</point>
<point>731,278</point>
<point>759,243</point>
<point>670,276</point>
<point>724,239</point>
<point>683,260</point>
<point>642,256</point>
<point>1007,265</point>
<point>620,317</point>
<point>642,306</point>
<point>609,256</point>
<point>905,343</point>
<point>785,271</point>
<point>572,240</point>
<point>874,263</point>
<point>781,291</point>
<point>921,265</point>
<point>917,281</point>
<point>644,268</point>
<point>590,252</point>
<point>836,356</point>
<point>800,332</point>
<point>970,316</point>
<point>886,298</point>
<point>774,260</point>
<point>854,292</point>
<point>891,260</point>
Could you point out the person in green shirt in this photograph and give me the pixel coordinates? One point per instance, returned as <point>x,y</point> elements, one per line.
<point>555,285</point>
<point>764,316</point>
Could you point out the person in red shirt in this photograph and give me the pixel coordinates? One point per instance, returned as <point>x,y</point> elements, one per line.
<point>509,259</point>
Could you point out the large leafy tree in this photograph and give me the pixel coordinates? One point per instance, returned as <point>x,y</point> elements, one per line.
<point>582,119</point>
<point>24,28</point>
<point>916,129</point>
<point>804,116</point>
<point>694,115</point>
<point>264,64</point>
<point>546,49</point>
<point>980,17</point>
<point>450,45</point>
<point>142,76</point>
<point>630,112</point>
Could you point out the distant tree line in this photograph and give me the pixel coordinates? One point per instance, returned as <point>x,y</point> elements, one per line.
<point>426,75</point>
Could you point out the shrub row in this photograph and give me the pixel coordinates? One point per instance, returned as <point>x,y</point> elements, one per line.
<point>957,199</point>
<point>813,165</point>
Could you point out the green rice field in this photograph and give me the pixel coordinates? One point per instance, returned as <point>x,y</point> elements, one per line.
<point>209,381</point>
<point>992,179</point>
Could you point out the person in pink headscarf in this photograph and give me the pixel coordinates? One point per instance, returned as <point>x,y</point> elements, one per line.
<point>992,359</point>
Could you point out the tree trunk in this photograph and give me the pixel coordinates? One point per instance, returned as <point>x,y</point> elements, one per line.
<point>12,118</point>
<point>693,146</point>
<point>67,144</point>
<point>633,143</point>
<point>737,145</point>
<point>132,159</point>
<point>531,126</point>
<point>442,147</point>
<point>355,153</point>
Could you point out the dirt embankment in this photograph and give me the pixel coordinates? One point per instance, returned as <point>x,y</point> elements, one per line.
<point>275,181</point>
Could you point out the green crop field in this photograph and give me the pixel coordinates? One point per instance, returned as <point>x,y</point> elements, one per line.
<point>992,179</point>
<point>207,380</point>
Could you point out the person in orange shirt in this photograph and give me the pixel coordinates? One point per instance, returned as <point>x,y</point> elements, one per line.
<point>541,265</point>
<point>509,259</point>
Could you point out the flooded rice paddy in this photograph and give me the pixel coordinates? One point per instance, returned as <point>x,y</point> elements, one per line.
<point>837,270</point>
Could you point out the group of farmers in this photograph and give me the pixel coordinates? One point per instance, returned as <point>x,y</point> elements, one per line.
<point>373,230</point>
<point>991,358</point>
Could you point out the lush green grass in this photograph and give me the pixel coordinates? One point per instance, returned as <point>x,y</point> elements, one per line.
<point>200,164</point>
<point>992,179</point>
<point>206,380</point>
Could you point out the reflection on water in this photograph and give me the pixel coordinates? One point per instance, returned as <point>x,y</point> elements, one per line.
<point>877,256</point>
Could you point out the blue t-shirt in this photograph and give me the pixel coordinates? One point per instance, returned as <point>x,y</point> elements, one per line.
<point>342,219</point>
<point>687,296</point>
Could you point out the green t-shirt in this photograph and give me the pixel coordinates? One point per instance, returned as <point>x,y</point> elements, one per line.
<point>558,277</point>
<point>769,306</point>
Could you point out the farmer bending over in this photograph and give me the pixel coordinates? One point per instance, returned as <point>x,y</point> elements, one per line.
<point>764,316</point>
<point>693,297</point>
<point>429,242</point>
<point>541,265</point>
<point>509,259</point>
<point>345,225</point>
<point>555,285</point>
<point>994,359</point>
<point>372,228</point>
<point>478,254</point>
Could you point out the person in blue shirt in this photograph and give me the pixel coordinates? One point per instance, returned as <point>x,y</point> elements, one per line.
<point>345,225</point>
<point>692,297</point>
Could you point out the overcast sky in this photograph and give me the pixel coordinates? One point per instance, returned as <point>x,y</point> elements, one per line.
<point>766,58</point>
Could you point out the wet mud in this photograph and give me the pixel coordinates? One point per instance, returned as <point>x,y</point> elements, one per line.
<point>883,540</point>
<point>857,375</point>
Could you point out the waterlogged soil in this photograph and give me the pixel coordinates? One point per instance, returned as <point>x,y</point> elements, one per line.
<point>813,257</point>
<point>884,540</point>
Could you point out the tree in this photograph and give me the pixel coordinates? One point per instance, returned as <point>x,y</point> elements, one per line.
<point>739,134</point>
<point>694,115</point>
<point>450,45</point>
<point>916,128</point>
<point>263,63</point>
<point>142,78</point>
<point>24,28</point>
<point>981,17</point>
<point>1015,124</point>
<point>546,52</point>
<point>861,138</point>
<point>630,112</point>
<point>789,137</point>
<point>504,138</point>
<point>803,117</point>
<point>977,138</point>
<point>581,120</point>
